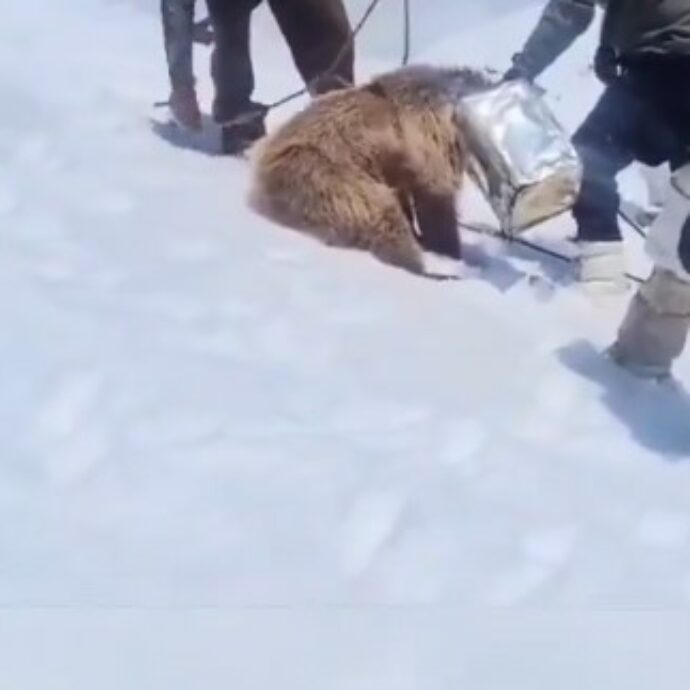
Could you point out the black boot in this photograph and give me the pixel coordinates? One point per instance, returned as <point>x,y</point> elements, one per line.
<point>240,132</point>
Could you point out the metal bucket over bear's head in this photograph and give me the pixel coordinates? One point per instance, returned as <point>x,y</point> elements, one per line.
<point>521,158</point>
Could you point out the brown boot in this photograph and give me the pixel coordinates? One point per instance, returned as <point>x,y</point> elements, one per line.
<point>184,107</point>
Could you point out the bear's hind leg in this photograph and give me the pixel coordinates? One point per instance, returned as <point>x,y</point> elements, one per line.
<point>338,204</point>
<point>389,233</point>
<point>364,214</point>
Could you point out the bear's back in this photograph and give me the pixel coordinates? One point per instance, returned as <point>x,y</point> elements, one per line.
<point>354,124</point>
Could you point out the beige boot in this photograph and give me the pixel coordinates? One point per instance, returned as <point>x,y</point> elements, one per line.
<point>655,329</point>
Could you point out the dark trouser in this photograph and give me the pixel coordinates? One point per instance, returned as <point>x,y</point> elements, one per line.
<point>178,34</point>
<point>643,117</point>
<point>315,30</point>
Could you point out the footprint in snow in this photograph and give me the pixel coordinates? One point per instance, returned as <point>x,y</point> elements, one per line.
<point>164,431</point>
<point>664,530</point>
<point>385,416</point>
<point>8,199</point>
<point>686,589</point>
<point>550,409</point>
<point>72,459</point>
<point>68,404</point>
<point>372,523</point>
<point>114,202</point>
<point>545,553</point>
<point>463,441</point>
<point>192,251</point>
<point>66,438</point>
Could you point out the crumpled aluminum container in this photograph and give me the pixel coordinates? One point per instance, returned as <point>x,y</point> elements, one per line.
<point>522,159</point>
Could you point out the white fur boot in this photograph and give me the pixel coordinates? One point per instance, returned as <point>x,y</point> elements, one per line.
<point>601,267</point>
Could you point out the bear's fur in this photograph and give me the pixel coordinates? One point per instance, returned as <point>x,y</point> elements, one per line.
<point>375,167</point>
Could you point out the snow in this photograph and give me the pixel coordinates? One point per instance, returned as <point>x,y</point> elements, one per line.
<point>231,456</point>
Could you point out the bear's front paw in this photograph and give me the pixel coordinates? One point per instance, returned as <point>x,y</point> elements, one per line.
<point>441,267</point>
<point>445,268</point>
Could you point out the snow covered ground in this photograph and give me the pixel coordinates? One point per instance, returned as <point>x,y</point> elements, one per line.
<point>327,466</point>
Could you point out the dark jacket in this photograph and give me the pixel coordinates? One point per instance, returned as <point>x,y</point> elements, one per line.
<point>631,28</point>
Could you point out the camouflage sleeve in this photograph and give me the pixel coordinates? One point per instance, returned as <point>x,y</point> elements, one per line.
<point>560,24</point>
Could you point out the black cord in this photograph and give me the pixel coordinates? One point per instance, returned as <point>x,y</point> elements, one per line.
<point>635,226</point>
<point>407,30</point>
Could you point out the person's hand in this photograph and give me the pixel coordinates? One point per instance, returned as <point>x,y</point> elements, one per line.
<point>606,65</point>
<point>513,74</point>
<point>517,71</point>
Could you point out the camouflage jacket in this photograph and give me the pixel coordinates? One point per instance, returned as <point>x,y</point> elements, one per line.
<point>629,28</point>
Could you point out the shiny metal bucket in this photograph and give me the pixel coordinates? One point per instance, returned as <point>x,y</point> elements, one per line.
<point>521,158</point>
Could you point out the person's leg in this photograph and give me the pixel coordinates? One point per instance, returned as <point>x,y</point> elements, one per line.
<point>603,154</point>
<point>318,34</point>
<point>242,119</point>
<point>231,65</point>
<point>655,329</point>
<point>614,135</point>
<point>178,29</point>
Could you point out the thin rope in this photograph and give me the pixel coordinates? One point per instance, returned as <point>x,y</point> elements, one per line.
<point>407,32</point>
<point>344,48</point>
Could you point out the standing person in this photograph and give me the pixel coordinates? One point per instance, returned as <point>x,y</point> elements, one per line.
<point>318,34</point>
<point>643,115</point>
<point>179,34</point>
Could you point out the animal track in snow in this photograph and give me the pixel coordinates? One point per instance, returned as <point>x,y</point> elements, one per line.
<point>379,416</point>
<point>191,250</point>
<point>664,530</point>
<point>464,440</point>
<point>8,199</point>
<point>550,408</point>
<point>114,202</point>
<point>65,408</point>
<point>75,457</point>
<point>65,438</point>
<point>371,524</point>
<point>167,431</point>
<point>545,554</point>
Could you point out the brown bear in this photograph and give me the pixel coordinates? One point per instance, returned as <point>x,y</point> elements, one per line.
<point>375,167</point>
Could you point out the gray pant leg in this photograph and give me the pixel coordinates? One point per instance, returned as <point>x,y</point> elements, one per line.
<point>178,34</point>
